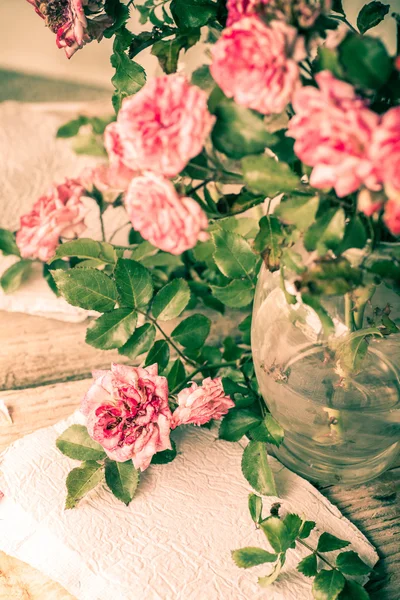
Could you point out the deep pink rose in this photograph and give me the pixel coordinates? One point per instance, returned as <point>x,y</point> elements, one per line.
<point>333,131</point>
<point>60,213</point>
<point>163,126</point>
<point>255,64</point>
<point>385,151</point>
<point>392,216</point>
<point>67,19</point>
<point>197,405</point>
<point>128,413</point>
<point>165,219</point>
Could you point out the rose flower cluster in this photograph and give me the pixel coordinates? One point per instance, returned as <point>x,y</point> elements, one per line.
<point>128,412</point>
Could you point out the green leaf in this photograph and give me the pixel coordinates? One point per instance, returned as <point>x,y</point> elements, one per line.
<point>328,585</point>
<point>87,288</point>
<point>371,15</point>
<point>233,255</point>
<point>268,431</point>
<point>355,236</point>
<point>350,563</point>
<point>8,245</point>
<point>268,579</point>
<point>276,533</point>
<point>353,591</point>
<point>328,60</point>
<point>256,469</point>
<point>352,351</point>
<point>129,76</point>
<point>365,60</point>
<point>85,248</point>
<point>71,129</point>
<point>203,79</point>
<point>192,332</point>
<point>76,443</point>
<point>251,557</point>
<point>140,342</point>
<point>328,542</point>
<point>82,480</point>
<point>237,294</point>
<point>134,283</point>
<point>337,6</point>
<point>112,330</point>
<point>165,456</point>
<point>308,566</point>
<point>171,300</point>
<point>269,241</point>
<point>306,529</point>
<point>176,375</point>
<point>293,525</point>
<point>190,14</point>
<point>255,507</point>
<point>123,479</point>
<point>265,175</point>
<point>299,211</point>
<point>118,12</point>
<point>167,51</point>
<point>236,423</point>
<point>326,232</point>
<point>158,354</point>
<point>14,276</point>
<point>239,131</point>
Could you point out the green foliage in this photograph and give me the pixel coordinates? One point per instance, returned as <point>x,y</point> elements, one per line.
<point>192,332</point>
<point>123,479</point>
<point>237,294</point>
<point>134,283</point>
<point>171,300</point>
<point>112,330</point>
<point>236,424</point>
<point>99,253</point>
<point>14,276</point>
<point>168,51</point>
<point>326,232</point>
<point>265,175</point>
<point>140,342</point>
<point>269,241</point>
<point>308,566</point>
<point>328,585</point>
<point>365,61</point>
<point>176,375</point>
<point>76,443</point>
<point>166,456</point>
<point>8,244</point>
<point>189,14</point>
<point>371,15</point>
<point>299,211</point>
<point>158,354</point>
<point>328,542</point>
<point>82,480</point>
<point>255,508</point>
<point>129,76</point>
<point>350,563</point>
<point>277,533</point>
<point>268,431</point>
<point>251,557</point>
<point>233,255</point>
<point>256,469</point>
<point>87,288</point>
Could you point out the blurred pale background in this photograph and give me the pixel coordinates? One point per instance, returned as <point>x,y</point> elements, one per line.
<point>26,46</point>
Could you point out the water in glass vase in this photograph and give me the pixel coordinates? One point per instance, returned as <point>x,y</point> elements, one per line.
<point>340,426</point>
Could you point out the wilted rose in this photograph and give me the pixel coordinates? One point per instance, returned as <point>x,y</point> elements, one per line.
<point>197,405</point>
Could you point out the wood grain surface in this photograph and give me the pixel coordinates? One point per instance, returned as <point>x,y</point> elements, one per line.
<point>44,370</point>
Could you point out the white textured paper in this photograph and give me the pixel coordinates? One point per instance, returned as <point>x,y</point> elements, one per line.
<point>32,159</point>
<point>174,540</point>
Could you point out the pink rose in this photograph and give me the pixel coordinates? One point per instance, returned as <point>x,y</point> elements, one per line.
<point>392,216</point>
<point>385,151</point>
<point>333,131</point>
<point>163,126</point>
<point>128,413</point>
<point>169,222</point>
<point>60,213</point>
<point>369,202</point>
<point>67,19</point>
<point>199,404</point>
<point>255,64</point>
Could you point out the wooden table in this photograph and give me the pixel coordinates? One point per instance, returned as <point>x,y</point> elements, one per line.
<point>44,370</point>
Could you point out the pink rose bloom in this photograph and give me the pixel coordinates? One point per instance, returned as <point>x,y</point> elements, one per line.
<point>128,413</point>
<point>255,64</point>
<point>199,404</point>
<point>67,19</point>
<point>169,222</point>
<point>163,126</point>
<point>385,151</point>
<point>119,175</point>
<point>392,216</point>
<point>333,131</point>
<point>58,214</point>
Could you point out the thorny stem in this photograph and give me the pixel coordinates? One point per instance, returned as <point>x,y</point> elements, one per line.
<point>103,233</point>
<point>344,20</point>
<point>168,339</point>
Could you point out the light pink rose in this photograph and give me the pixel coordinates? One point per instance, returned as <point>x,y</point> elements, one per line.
<point>60,213</point>
<point>369,202</point>
<point>255,64</point>
<point>163,126</point>
<point>197,405</point>
<point>128,413</point>
<point>333,130</point>
<point>392,216</point>
<point>385,151</point>
<point>67,19</point>
<point>165,219</point>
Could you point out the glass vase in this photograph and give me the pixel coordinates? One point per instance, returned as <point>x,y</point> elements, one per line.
<point>341,425</point>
